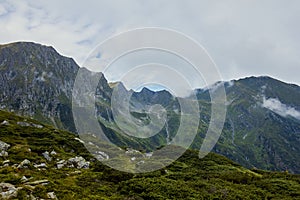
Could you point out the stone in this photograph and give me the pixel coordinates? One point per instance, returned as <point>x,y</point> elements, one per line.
<point>75,172</point>
<point>3,149</point>
<point>8,191</point>
<point>4,123</point>
<point>60,164</point>
<point>51,195</point>
<point>24,179</point>
<point>26,124</point>
<point>39,182</point>
<point>53,153</point>
<point>23,123</point>
<point>47,156</point>
<point>23,164</point>
<point>81,141</point>
<point>100,155</point>
<point>79,162</point>
<point>37,125</point>
<point>6,162</point>
<point>42,165</point>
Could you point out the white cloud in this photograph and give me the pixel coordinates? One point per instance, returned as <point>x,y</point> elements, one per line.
<point>3,11</point>
<point>276,106</point>
<point>243,37</point>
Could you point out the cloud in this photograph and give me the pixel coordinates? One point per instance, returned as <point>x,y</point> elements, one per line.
<point>276,106</point>
<point>243,37</point>
<point>3,11</point>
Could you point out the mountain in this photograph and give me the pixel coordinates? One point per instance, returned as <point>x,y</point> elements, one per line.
<point>39,161</point>
<point>262,127</point>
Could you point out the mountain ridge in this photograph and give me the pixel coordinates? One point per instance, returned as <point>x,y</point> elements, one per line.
<point>254,134</point>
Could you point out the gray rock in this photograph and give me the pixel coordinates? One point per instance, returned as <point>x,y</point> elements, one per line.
<point>100,155</point>
<point>23,164</point>
<point>51,195</point>
<point>23,124</point>
<point>26,124</point>
<point>24,179</point>
<point>53,153</point>
<point>47,156</point>
<point>60,164</point>
<point>79,162</point>
<point>37,125</point>
<point>3,148</point>
<point>4,123</point>
<point>8,191</point>
<point>42,165</point>
<point>6,162</point>
<point>39,182</point>
<point>81,141</point>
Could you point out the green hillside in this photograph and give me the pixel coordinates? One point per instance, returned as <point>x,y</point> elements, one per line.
<point>61,168</point>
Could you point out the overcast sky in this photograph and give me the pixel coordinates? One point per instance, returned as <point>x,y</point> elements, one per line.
<point>244,37</point>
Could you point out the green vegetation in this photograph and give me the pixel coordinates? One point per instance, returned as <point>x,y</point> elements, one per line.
<point>213,177</point>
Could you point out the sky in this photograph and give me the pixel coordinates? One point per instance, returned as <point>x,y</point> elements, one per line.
<point>243,37</point>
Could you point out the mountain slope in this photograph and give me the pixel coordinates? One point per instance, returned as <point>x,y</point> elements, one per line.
<point>262,127</point>
<point>187,178</point>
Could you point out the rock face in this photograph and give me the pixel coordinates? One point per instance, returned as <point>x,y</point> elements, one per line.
<point>3,149</point>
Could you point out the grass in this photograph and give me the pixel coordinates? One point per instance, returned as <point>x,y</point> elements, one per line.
<point>213,177</point>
